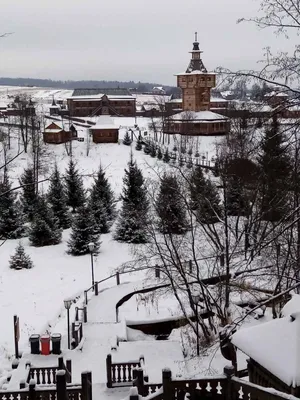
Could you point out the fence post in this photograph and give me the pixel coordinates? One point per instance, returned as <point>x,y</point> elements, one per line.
<point>157,271</point>
<point>73,334</point>
<point>108,371</point>
<point>96,289</point>
<point>61,364</point>
<point>167,384</point>
<point>89,385</point>
<point>84,386</point>
<point>31,391</point>
<point>138,375</point>
<point>69,370</point>
<point>84,313</point>
<point>229,372</point>
<point>85,297</point>
<point>222,260</point>
<point>22,384</point>
<point>133,394</point>
<point>118,278</point>
<point>61,385</point>
<point>76,313</point>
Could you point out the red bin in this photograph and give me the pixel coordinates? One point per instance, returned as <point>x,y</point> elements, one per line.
<point>45,345</point>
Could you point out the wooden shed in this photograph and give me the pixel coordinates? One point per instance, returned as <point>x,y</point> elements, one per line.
<point>105,133</point>
<point>56,134</point>
<point>273,348</point>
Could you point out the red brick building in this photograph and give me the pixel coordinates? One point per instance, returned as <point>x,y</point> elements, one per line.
<point>93,102</point>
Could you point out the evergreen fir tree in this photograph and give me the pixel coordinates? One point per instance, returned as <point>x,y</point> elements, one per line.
<point>159,153</point>
<point>204,196</point>
<point>29,198</point>
<point>133,218</point>
<point>170,206</point>
<point>74,187</point>
<point>127,140</point>
<point>83,233</point>
<point>237,202</point>
<point>44,230</point>
<point>275,171</point>
<point>20,260</point>
<point>58,200</point>
<point>138,146</point>
<point>153,150</point>
<point>102,198</point>
<point>11,217</point>
<point>99,216</point>
<point>166,157</point>
<point>147,148</point>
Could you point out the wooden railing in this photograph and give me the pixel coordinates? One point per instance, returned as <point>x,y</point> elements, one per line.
<point>222,387</point>
<point>61,391</point>
<point>47,375</point>
<point>77,333</point>
<point>121,374</point>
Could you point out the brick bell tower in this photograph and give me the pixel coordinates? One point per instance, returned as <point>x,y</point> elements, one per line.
<point>196,83</point>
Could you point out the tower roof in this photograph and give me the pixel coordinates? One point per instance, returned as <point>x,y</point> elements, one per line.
<point>196,64</point>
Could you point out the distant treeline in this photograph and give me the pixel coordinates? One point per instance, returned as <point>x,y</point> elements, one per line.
<point>139,86</point>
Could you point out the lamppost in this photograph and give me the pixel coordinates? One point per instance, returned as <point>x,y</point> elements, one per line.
<point>196,298</point>
<point>68,303</point>
<point>92,248</point>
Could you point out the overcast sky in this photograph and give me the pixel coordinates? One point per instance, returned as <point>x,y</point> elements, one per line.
<point>146,40</point>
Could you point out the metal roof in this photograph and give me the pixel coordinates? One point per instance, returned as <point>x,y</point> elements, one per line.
<point>107,91</point>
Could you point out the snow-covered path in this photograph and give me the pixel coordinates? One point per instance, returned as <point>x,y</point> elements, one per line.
<point>100,333</point>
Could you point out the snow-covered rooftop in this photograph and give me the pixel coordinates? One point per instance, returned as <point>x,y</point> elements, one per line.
<point>105,122</point>
<point>275,345</point>
<point>200,116</point>
<point>195,72</point>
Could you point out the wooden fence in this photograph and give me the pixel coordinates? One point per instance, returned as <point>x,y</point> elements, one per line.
<point>221,387</point>
<point>77,333</point>
<point>47,375</point>
<point>61,391</point>
<point>121,374</point>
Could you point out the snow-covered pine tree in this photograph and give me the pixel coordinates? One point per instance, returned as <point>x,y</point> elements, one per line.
<point>20,260</point>
<point>205,200</point>
<point>83,233</point>
<point>138,146</point>
<point>153,150</point>
<point>58,200</point>
<point>102,197</point>
<point>133,218</point>
<point>44,230</point>
<point>166,157</point>
<point>99,215</point>
<point>170,206</point>
<point>29,197</point>
<point>74,187</point>
<point>159,154</point>
<point>11,217</point>
<point>127,140</point>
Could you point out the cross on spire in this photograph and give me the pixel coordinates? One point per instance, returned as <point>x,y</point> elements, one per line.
<point>196,36</point>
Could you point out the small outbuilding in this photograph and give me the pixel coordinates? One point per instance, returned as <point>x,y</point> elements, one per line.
<point>56,134</point>
<point>274,351</point>
<point>105,131</point>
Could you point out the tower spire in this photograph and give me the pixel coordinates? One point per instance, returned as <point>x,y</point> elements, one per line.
<point>196,64</point>
<point>196,38</point>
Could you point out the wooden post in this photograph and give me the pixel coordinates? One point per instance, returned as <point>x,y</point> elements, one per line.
<point>76,313</point>
<point>73,334</point>
<point>85,314</point>
<point>222,260</point>
<point>229,372</point>
<point>96,289</point>
<point>61,385</point>
<point>89,382</point>
<point>61,364</point>
<point>167,384</point>
<point>31,390</point>
<point>139,381</point>
<point>69,370</point>
<point>85,297</point>
<point>22,384</point>
<point>108,371</point>
<point>16,335</point>
<point>157,271</point>
<point>118,278</point>
<point>133,394</point>
<point>84,385</point>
